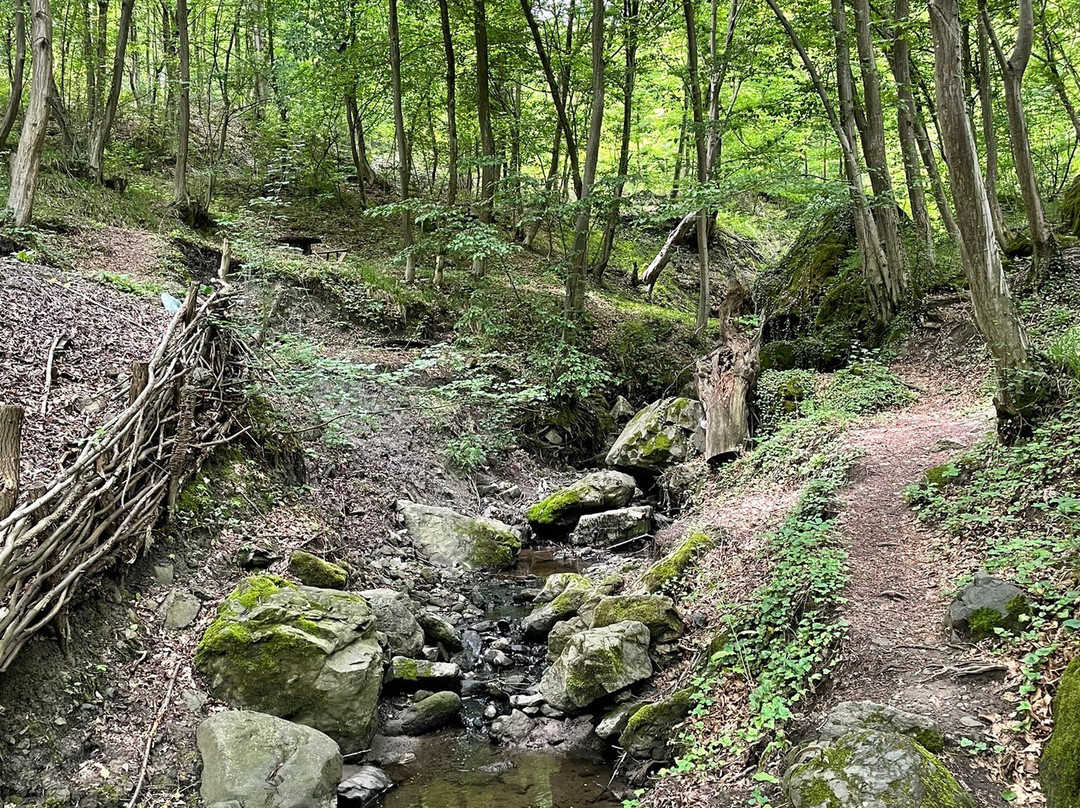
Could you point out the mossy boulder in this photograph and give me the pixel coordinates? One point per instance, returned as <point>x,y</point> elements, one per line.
<point>655,611</point>
<point>306,654</point>
<point>616,527</point>
<point>987,604</point>
<point>449,538</point>
<point>413,674</point>
<point>311,570</point>
<point>1070,207</point>
<point>1059,766</point>
<point>560,635</point>
<point>596,663</point>
<point>596,491</point>
<point>562,597</point>
<point>650,730</point>
<point>870,767</point>
<point>665,433</point>
<point>430,713</point>
<point>850,716</point>
<point>665,573</point>
<point>395,619</point>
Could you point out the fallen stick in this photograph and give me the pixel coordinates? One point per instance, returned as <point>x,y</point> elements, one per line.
<point>150,738</point>
<point>48,374</point>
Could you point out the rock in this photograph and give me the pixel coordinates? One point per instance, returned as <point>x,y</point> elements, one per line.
<point>666,572</point>
<point>596,491</point>
<point>363,788</point>
<point>306,654</point>
<point>180,609</point>
<point>452,539</point>
<point>392,750</point>
<point>260,761</point>
<point>850,716</point>
<point>622,410</point>
<point>560,635</point>
<point>164,574</point>
<point>566,736</point>
<point>1059,766</point>
<point>435,711</point>
<point>575,590</point>
<point>872,768</point>
<point>252,557</point>
<point>614,722</point>
<point>195,700</point>
<point>655,611</point>
<point>986,604</point>
<point>664,433</point>
<point>438,631</point>
<point>650,729</point>
<point>612,527</point>
<point>421,672</point>
<point>394,618</point>
<point>596,663</point>
<point>311,570</point>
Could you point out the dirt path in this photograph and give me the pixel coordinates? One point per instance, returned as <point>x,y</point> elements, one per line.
<point>899,650</point>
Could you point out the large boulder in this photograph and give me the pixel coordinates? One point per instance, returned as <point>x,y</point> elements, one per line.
<point>449,538</point>
<point>563,595</point>
<point>986,604</point>
<point>394,617</point>
<point>651,728</point>
<point>596,663</point>
<point>850,716</point>
<point>1059,766</point>
<point>608,528</point>
<point>437,710</point>
<point>669,570</point>
<point>872,768</point>
<point>260,761</point>
<point>306,654</point>
<point>655,611</point>
<point>666,432</point>
<point>596,491</point>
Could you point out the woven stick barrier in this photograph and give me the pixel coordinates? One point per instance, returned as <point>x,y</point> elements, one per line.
<point>102,508</point>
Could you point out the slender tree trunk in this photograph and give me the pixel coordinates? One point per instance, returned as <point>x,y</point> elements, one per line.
<point>356,135</point>
<point>720,64</point>
<point>994,311</point>
<point>930,163</point>
<point>15,98</point>
<point>990,144</point>
<point>696,106</point>
<point>631,10</point>
<point>402,145</point>
<point>88,61</point>
<point>483,114</point>
<point>680,148</point>
<point>451,104</point>
<point>101,41</point>
<point>180,192</point>
<point>100,137</point>
<point>27,160</point>
<point>1013,66</point>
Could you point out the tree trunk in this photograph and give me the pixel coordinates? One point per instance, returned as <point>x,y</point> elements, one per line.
<point>352,113</point>
<point>15,98</point>
<point>1051,47</point>
<point>990,144</point>
<point>402,145</point>
<point>696,107</point>
<point>929,160</point>
<point>451,104</point>
<point>27,160</point>
<point>11,421</point>
<point>100,137</point>
<point>680,147</point>
<point>483,114</point>
<point>180,192</point>
<point>994,311</point>
<point>720,63</point>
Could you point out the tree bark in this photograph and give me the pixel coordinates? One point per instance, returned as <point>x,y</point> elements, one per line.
<point>11,420</point>
<point>402,145</point>
<point>27,160</point>
<point>994,311</point>
<point>483,113</point>
<point>180,192</point>
<point>696,106</point>
<point>990,144</point>
<point>451,104</point>
<point>103,127</point>
<point>15,98</point>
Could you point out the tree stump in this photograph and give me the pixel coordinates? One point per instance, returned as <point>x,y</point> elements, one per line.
<point>11,421</point>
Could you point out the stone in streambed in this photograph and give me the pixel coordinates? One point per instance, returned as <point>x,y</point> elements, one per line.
<point>596,663</point>
<point>363,788</point>
<point>662,434</point>
<point>651,728</point>
<point>449,538</point>
<point>596,491</point>
<point>439,631</point>
<point>429,713</point>
<point>667,572</point>
<point>609,528</point>
<point>563,595</point>
<point>655,611</point>
<point>394,617</point>
<point>404,672</point>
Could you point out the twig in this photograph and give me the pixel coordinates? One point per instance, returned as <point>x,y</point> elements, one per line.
<point>150,738</point>
<point>48,374</point>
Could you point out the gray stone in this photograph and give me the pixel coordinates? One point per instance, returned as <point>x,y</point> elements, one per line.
<point>849,716</point>
<point>655,611</point>
<point>450,539</point>
<point>614,722</point>
<point>394,617</point>
<point>363,788</point>
<point>596,663</point>
<point>992,602</point>
<point>649,732</point>
<point>562,596</point>
<point>163,574</point>
<point>596,491</point>
<point>306,654</point>
<point>662,434</point>
<point>261,761</point>
<point>180,609</point>
<point>622,410</point>
<point>566,736</point>
<point>607,528</point>
<point>872,769</point>
<point>437,710</point>
<point>420,672</point>
<point>439,631</point>
<point>560,635</point>
<point>195,700</point>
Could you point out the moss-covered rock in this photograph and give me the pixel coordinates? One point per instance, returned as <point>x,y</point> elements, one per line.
<point>665,573</point>
<point>311,570</point>
<point>301,653</point>
<point>411,674</point>
<point>596,491</point>
<point>1059,766</point>
<point>395,619</point>
<point>651,729</point>
<point>870,767</point>
<point>851,716</point>
<point>663,434</point>
<point>437,710</point>
<point>563,595</point>
<point>560,635</point>
<point>987,604</point>
<point>596,663</point>
<point>449,538</point>
<point>655,611</point>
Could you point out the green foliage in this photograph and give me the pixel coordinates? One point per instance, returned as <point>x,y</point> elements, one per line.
<point>125,283</point>
<point>866,386</point>
<point>1064,352</point>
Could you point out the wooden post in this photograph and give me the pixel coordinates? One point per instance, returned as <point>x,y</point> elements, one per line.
<point>226,260</point>
<point>11,420</point>
<point>140,377</point>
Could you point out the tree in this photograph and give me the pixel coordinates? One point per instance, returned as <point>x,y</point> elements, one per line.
<point>402,144</point>
<point>696,106</point>
<point>103,126</point>
<point>486,197</point>
<point>451,104</point>
<point>27,160</point>
<point>183,132</point>
<point>17,69</point>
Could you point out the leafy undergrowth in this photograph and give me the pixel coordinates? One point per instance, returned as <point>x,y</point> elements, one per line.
<point>1019,508</point>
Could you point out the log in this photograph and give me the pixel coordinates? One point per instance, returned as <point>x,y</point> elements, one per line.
<point>656,266</point>
<point>11,421</point>
<point>725,379</point>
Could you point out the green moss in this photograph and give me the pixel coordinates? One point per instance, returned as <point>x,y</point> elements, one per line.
<point>405,669</point>
<point>817,793</point>
<point>983,621</point>
<point>1059,766</point>
<point>674,565</point>
<point>314,571</point>
<point>941,788</point>
<point>256,589</point>
<point>649,731</point>
<point>655,611</point>
<point>586,679</point>
<point>491,548</point>
<point>557,509</point>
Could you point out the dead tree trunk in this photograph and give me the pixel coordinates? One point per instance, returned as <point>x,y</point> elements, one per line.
<point>11,420</point>
<point>17,70</point>
<point>24,168</point>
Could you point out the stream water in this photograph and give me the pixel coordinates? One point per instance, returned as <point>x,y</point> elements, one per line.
<point>462,768</point>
